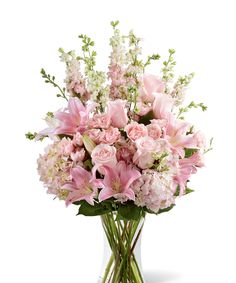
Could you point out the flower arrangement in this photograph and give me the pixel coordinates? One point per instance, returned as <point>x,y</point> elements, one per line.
<point>121,147</point>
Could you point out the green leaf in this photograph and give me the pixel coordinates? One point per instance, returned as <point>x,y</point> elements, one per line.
<point>189,152</point>
<point>146,118</point>
<point>128,211</point>
<point>93,210</point>
<point>188,191</point>
<point>166,209</point>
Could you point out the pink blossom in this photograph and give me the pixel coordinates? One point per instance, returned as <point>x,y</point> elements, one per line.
<point>187,166</point>
<point>94,135</point>
<point>102,121</point>
<point>135,131</point>
<point>126,152</point>
<point>143,157</point>
<point>176,135</point>
<point>117,182</point>
<point>154,130</point>
<point>75,119</point>
<point>154,190</point>
<point>150,84</point>
<point>162,106</point>
<point>78,139</point>
<point>78,155</point>
<point>83,186</point>
<point>118,113</point>
<point>65,147</point>
<point>143,108</point>
<point>200,139</point>
<point>104,155</point>
<point>110,136</point>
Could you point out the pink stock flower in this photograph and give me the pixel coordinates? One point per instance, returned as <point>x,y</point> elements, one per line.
<point>150,84</point>
<point>117,182</point>
<point>162,106</point>
<point>65,147</point>
<point>135,131</point>
<point>104,155</point>
<point>143,157</point>
<point>102,121</point>
<point>83,186</point>
<point>118,113</point>
<point>75,119</point>
<point>78,155</point>
<point>110,136</point>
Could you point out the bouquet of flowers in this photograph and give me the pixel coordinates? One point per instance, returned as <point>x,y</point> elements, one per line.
<point>120,146</point>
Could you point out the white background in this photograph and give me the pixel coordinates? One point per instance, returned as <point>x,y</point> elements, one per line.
<point>41,240</point>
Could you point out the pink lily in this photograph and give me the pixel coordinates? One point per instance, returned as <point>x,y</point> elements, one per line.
<point>83,186</point>
<point>162,106</point>
<point>117,181</point>
<point>175,134</point>
<point>187,166</point>
<point>75,120</point>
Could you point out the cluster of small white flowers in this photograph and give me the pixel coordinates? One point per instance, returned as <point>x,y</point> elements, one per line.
<point>155,190</point>
<point>118,55</point>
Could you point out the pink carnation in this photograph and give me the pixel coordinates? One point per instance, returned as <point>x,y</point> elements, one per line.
<point>110,136</point>
<point>135,131</point>
<point>102,121</point>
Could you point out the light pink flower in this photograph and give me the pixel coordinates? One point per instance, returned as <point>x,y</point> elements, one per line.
<point>65,147</point>
<point>78,155</point>
<point>75,119</point>
<point>78,139</point>
<point>135,131</point>
<point>117,182</point>
<point>150,84</point>
<point>104,154</point>
<point>162,106</point>
<point>187,166</point>
<point>143,157</point>
<point>118,113</point>
<point>154,130</point>
<point>83,186</point>
<point>126,152</point>
<point>143,108</point>
<point>94,135</point>
<point>102,121</point>
<point>175,134</point>
<point>110,136</point>
<point>200,139</point>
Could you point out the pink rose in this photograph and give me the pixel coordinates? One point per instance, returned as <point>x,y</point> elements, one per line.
<point>104,154</point>
<point>94,135</point>
<point>150,84</point>
<point>110,136</point>
<point>143,157</point>
<point>154,131</point>
<point>135,131</point>
<point>118,113</point>
<point>102,121</point>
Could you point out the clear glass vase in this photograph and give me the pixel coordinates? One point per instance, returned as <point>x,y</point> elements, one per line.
<point>122,251</point>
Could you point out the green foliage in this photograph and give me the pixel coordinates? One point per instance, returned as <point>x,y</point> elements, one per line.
<point>93,210</point>
<point>153,57</point>
<point>89,57</point>
<point>51,80</point>
<point>190,106</point>
<point>210,146</point>
<point>168,67</point>
<point>114,24</point>
<point>166,209</point>
<point>129,211</point>
<point>189,152</point>
<point>30,136</point>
